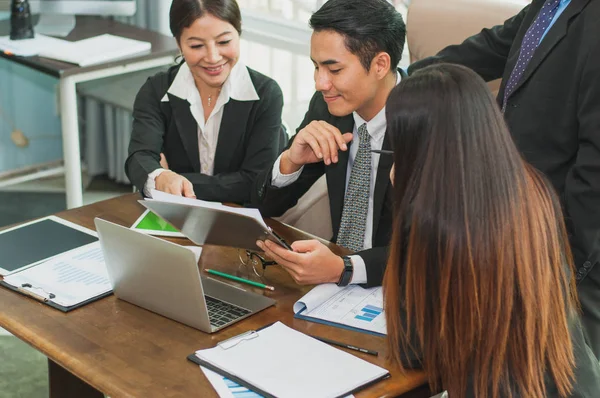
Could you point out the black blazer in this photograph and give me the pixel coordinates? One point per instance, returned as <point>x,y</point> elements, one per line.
<point>250,138</point>
<point>274,201</point>
<point>554,112</point>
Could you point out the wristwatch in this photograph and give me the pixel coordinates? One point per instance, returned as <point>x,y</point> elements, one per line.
<point>346,276</point>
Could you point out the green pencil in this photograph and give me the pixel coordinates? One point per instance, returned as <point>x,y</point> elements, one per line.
<point>238,279</point>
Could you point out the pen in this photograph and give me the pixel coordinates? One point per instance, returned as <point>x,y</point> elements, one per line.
<point>348,346</point>
<point>238,279</point>
<point>382,151</point>
<point>282,241</point>
<point>32,295</point>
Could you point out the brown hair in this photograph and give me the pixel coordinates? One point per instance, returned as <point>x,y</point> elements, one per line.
<point>478,278</point>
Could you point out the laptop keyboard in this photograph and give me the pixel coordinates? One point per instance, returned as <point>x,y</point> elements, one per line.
<point>222,313</point>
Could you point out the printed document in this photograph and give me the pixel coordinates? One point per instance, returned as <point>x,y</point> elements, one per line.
<point>67,279</point>
<point>351,306</point>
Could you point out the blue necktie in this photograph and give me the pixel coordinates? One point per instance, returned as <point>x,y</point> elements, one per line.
<point>530,42</point>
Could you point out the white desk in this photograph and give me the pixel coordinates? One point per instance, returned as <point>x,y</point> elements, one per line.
<point>164,49</point>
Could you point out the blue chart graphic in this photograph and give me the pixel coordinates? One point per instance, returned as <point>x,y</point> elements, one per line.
<point>240,391</point>
<point>369,312</point>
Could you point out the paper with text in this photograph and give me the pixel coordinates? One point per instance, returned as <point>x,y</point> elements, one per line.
<point>351,305</point>
<point>72,277</point>
<point>286,363</point>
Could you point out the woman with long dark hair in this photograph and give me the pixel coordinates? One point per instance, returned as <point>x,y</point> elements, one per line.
<point>478,288</point>
<point>208,125</point>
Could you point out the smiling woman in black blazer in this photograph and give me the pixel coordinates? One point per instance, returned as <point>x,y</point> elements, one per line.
<point>207,126</point>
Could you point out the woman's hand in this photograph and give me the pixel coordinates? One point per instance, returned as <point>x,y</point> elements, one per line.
<point>175,184</point>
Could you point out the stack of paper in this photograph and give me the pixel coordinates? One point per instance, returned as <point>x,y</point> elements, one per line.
<point>97,50</point>
<point>92,51</point>
<point>29,47</point>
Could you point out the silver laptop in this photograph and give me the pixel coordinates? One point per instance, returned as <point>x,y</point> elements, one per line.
<point>163,277</point>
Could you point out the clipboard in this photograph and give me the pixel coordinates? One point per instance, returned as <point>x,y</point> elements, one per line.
<point>48,301</point>
<point>66,281</point>
<point>250,335</point>
<point>205,225</point>
<point>193,358</point>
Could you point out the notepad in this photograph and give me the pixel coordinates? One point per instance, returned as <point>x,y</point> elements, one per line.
<point>351,307</point>
<point>281,362</point>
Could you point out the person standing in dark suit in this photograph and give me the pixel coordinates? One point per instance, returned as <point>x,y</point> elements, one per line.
<point>479,289</point>
<point>355,47</point>
<point>549,59</point>
<point>206,127</point>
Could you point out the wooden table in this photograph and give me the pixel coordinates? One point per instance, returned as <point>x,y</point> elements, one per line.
<point>122,350</point>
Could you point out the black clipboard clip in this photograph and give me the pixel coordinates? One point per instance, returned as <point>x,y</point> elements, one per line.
<point>24,289</point>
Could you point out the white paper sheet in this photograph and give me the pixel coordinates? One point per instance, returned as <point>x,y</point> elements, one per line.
<point>287,363</point>
<point>30,47</point>
<point>72,277</point>
<point>351,305</point>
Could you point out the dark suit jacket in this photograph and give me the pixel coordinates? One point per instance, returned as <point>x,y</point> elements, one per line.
<point>274,201</point>
<point>554,112</point>
<point>250,138</point>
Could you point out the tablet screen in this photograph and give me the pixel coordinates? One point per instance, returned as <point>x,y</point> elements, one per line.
<point>40,240</point>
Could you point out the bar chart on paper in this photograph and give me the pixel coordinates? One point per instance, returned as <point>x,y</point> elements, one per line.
<point>228,388</point>
<point>355,307</point>
<point>368,313</point>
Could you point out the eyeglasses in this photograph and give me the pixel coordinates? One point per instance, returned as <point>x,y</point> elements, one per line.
<point>256,261</point>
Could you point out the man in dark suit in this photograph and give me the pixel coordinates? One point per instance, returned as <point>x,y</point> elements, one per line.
<point>355,47</point>
<point>549,59</point>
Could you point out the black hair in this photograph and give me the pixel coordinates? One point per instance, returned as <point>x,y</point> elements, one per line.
<point>183,13</point>
<point>368,27</point>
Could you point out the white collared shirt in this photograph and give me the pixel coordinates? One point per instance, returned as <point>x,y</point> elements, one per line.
<point>376,128</point>
<point>238,86</point>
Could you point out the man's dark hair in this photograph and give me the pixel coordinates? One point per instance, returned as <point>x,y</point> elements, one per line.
<point>183,13</point>
<point>368,27</point>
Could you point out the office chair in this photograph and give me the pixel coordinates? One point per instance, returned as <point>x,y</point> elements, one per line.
<point>432,25</point>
